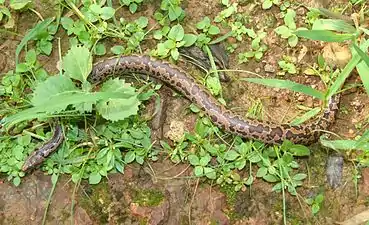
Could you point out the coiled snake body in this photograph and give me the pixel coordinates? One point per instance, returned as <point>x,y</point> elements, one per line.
<point>179,80</point>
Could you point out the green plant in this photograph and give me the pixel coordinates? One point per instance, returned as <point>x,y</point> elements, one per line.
<point>226,13</point>
<point>287,66</point>
<point>257,49</point>
<point>287,31</point>
<point>267,4</point>
<point>176,38</point>
<point>207,28</point>
<point>315,203</point>
<point>132,4</point>
<point>169,9</point>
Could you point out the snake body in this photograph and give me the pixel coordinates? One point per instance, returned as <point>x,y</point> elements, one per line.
<point>179,80</point>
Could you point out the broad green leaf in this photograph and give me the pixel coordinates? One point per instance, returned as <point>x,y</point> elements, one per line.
<point>176,33</point>
<point>299,150</point>
<point>129,157</point>
<point>299,176</point>
<point>289,19</point>
<point>45,46</point>
<point>18,4</point>
<point>231,155</point>
<point>277,83</point>
<point>308,115</point>
<point>267,4</point>
<point>174,53</point>
<point>50,88</point>
<point>16,181</point>
<point>34,32</point>
<point>324,35</point>
<point>194,160</point>
<point>31,57</point>
<point>213,30</point>
<point>270,178</point>
<point>210,173</point>
<point>118,109</point>
<point>58,103</point>
<point>117,50</point>
<point>262,171</point>
<point>94,178</point>
<point>189,39</point>
<point>100,49</point>
<point>205,160</point>
<point>107,13</point>
<point>77,63</point>
<point>198,171</point>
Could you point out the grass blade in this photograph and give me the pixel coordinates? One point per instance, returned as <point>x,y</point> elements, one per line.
<point>347,71</point>
<point>287,84</point>
<point>363,68</point>
<point>333,25</point>
<point>40,27</point>
<point>308,115</point>
<point>324,35</point>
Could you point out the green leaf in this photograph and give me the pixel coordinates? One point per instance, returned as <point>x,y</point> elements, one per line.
<point>262,171</point>
<point>34,32</point>
<point>194,160</point>
<point>289,19</point>
<point>100,49</point>
<point>334,25</point>
<point>176,33</point>
<point>299,150</point>
<point>203,23</point>
<point>16,181</point>
<point>205,160</point>
<point>249,180</point>
<point>267,4</point>
<point>270,178</point>
<point>21,68</point>
<point>77,63</point>
<point>24,140</point>
<point>210,173</point>
<point>118,109</point>
<point>283,31</point>
<point>299,176</point>
<point>31,57</point>
<point>133,7</point>
<point>174,53</point>
<point>315,208</point>
<point>45,46</point>
<point>231,155</point>
<point>277,83</point>
<point>213,30</point>
<point>94,178</point>
<point>107,13</point>
<point>50,88</point>
<point>308,115</point>
<point>117,50</point>
<point>189,39</point>
<point>324,35</point>
<point>199,171</point>
<point>129,157</point>
<point>18,4</point>
<point>67,23</point>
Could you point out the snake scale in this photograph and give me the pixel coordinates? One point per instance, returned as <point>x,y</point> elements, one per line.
<point>227,120</point>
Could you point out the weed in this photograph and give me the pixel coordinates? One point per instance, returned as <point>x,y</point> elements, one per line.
<point>287,66</point>
<point>132,4</point>
<point>287,31</point>
<point>315,203</point>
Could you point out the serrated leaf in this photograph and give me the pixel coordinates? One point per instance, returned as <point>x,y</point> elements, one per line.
<point>118,109</point>
<point>77,63</point>
<point>51,87</point>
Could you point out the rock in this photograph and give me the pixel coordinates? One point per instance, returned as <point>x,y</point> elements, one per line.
<point>269,68</point>
<point>336,54</point>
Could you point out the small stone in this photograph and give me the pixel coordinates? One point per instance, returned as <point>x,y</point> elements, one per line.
<point>269,68</point>
<point>354,120</point>
<point>351,131</point>
<point>257,70</point>
<point>301,98</point>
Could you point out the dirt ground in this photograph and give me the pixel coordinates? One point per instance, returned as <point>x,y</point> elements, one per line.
<point>164,193</point>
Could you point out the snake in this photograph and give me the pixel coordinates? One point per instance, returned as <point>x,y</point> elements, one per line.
<point>229,121</point>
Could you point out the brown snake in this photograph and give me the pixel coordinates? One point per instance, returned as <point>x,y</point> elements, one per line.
<point>179,80</point>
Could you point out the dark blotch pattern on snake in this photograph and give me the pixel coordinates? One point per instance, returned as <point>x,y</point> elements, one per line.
<point>179,80</point>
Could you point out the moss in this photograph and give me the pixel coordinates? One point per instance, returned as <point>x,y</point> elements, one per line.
<point>97,202</point>
<point>147,197</point>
